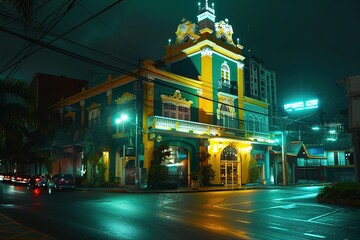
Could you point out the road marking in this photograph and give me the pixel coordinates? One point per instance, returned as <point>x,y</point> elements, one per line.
<point>314,235</point>
<point>324,215</point>
<point>210,226</point>
<point>278,228</point>
<point>242,221</point>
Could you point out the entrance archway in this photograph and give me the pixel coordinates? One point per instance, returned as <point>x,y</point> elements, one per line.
<point>229,166</point>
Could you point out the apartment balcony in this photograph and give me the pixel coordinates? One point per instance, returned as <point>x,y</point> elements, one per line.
<point>229,87</point>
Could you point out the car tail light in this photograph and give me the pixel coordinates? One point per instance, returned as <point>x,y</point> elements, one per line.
<point>37,179</point>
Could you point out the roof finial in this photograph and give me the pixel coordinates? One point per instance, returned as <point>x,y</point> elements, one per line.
<point>206,4</point>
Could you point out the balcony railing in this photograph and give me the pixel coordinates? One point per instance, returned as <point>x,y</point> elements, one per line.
<point>170,124</point>
<point>227,86</point>
<point>163,123</point>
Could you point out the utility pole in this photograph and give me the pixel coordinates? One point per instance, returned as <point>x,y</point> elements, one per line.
<point>284,157</point>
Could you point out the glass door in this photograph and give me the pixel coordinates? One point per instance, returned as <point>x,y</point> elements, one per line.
<point>229,172</point>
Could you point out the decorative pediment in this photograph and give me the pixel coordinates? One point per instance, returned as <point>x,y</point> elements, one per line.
<point>176,99</point>
<point>186,31</point>
<point>126,97</point>
<point>94,106</point>
<point>224,31</point>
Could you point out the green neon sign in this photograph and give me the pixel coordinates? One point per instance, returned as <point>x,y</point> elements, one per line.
<point>301,105</point>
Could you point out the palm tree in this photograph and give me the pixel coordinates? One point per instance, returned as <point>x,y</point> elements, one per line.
<point>16,120</point>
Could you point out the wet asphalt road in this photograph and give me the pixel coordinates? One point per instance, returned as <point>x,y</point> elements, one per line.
<point>286,213</point>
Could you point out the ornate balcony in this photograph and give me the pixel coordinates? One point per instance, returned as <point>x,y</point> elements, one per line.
<point>227,86</point>
<point>157,123</point>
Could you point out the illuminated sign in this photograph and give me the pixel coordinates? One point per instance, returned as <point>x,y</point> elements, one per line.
<point>302,105</point>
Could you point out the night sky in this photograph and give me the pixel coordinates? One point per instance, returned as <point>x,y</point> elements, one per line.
<point>309,43</point>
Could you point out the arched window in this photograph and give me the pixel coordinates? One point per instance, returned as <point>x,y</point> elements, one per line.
<point>251,123</point>
<point>225,71</point>
<point>257,124</point>
<point>229,153</point>
<point>226,119</point>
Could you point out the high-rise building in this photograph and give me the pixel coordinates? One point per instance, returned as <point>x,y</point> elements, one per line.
<point>260,84</point>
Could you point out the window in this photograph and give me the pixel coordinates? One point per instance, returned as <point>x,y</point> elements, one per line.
<point>226,114</point>
<point>226,119</point>
<point>69,119</point>
<point>169,110</point>
<point>254,124</point>
<point>251,123</point>
<point>176,106</point>
<point>257,124</point>
<point>94,117</point>
<point>225,71</point>
<point>183,113</point>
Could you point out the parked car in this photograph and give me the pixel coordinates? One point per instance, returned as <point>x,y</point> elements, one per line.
<point>20,178</point>
<point>34,181</point>
<point>39,181</point>
<point>7,177</point>
<point>64,181</point>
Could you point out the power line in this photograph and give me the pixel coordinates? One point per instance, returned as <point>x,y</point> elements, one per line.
<point>41,34</point>
<point>104,65</point>
<point>48,44</point>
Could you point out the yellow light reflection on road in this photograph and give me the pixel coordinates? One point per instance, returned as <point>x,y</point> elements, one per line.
<point>208,225</point>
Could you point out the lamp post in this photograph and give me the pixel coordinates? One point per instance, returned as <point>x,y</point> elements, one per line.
<point>124,118</point>
<point>283,155</point>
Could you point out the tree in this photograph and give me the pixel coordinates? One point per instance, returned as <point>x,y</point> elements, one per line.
<point>101,169</point>
<point>254,171</point>
<point>93,141</point>
<point>208,175</point>
<point>16,118</point>
<point>204,157</point>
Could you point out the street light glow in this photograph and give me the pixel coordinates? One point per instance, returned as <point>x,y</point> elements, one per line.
<point>315,128</point>
<point>123,117</point>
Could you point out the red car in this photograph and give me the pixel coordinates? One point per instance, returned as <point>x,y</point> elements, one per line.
<point>64,181</point>
<point>34,181</point>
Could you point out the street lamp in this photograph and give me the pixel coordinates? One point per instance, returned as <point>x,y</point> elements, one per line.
<point>125,118</point>
<point>283,155</point>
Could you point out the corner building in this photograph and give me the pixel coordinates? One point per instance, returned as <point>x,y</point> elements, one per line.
<point>193,101</point>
